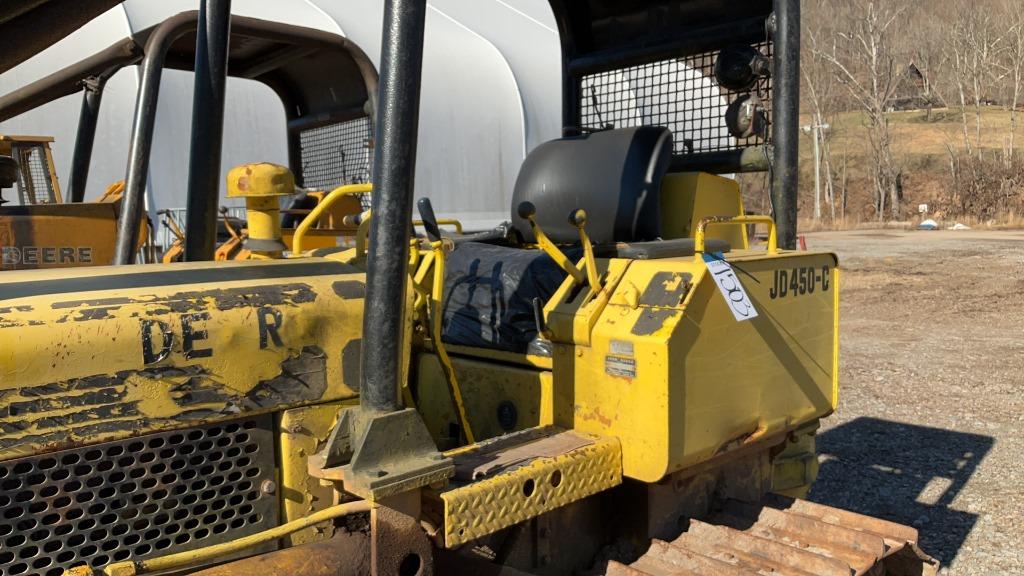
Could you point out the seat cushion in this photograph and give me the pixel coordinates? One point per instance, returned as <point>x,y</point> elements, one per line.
<point>489,292</point>
<point>614,175</point>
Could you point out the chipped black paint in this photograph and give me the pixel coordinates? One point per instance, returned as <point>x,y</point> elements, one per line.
<point>191,334</point>
<point>68,413</point>
<point>8,323</point>
<point>350,289</point>
<point>303,378</point>
<point>43,405</point>
<point>151,355</point>
<point>351,373</point>
<point>657,293</point>
<point>652,320</point>
<point>193,301</point>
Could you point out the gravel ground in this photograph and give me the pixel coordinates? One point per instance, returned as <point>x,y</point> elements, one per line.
<point>930,426</point>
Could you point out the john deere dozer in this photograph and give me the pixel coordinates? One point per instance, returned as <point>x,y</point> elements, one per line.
<point>617,381</point>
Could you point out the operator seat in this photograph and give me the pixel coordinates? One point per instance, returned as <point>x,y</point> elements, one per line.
<point>615,175</point>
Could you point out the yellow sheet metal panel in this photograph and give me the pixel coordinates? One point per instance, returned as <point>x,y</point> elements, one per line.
<point>57,235</point>
<point>499,398</point>
<point>688,197</point>
<point>574,309</point>
<point>679,380</point>
<point>301,433</point>
<point>95,354</point>
<point>507,498</point>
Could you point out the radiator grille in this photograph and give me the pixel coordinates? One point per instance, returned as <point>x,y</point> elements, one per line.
<point>337,154</point>
<point>680,94</point>
<point>146,496</point>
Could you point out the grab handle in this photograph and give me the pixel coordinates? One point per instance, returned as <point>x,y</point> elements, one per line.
<point>700,234</point>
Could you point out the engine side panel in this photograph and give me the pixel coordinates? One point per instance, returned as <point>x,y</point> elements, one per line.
<point>92,355</point>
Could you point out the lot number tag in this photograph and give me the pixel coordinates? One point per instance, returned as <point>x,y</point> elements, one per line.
<point>730,287</point>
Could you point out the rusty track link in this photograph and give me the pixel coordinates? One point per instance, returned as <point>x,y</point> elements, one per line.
<point>784,537</point>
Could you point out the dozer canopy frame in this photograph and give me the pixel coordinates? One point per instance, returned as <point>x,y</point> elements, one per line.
<point>301,65</point>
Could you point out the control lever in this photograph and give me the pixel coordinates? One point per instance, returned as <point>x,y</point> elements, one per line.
<point>578,218</point>
<point>429,219</point>
<point>439,248</point>
<point>527,211</point>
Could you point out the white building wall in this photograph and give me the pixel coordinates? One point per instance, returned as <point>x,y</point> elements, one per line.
<point>491,92</point>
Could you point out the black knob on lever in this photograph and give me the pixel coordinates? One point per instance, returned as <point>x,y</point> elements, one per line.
<point>578,218</point>
<point>428,218</point>
<point>526,210</point>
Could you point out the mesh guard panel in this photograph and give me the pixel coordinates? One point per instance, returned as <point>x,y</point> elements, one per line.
<point>141,497</point>
<point>680,94</point>
<point>34,186</point>
<point>337,154</point>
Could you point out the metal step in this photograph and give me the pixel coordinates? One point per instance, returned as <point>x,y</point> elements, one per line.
<point>511,479</point>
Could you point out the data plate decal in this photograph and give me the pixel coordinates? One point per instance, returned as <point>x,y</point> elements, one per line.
<point>619,366</point>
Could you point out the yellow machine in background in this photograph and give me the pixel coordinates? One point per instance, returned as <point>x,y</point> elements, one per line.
<point>44,231</point>
<point>37,178</point>
<point>269,231</point>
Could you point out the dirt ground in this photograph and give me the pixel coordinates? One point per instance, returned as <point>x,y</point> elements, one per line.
<point>930,426</point>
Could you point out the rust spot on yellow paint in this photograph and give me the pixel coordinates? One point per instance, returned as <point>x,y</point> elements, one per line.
<point>594,414</point>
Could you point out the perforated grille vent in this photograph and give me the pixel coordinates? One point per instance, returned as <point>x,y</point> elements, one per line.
<point>34,186</point>
<point>337,154</point>
<point>680,94</point>
<point>143,497</point>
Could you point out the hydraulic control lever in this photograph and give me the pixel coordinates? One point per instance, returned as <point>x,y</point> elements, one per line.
<point>426,211</point>
<point>439,247</point>
<point>578,219</point>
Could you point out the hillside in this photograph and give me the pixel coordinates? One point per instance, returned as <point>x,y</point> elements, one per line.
<point>921,146</point>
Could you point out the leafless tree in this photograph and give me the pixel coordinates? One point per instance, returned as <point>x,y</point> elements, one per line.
<point>820,96</point>
<point>974,49</point>
<point>864,61</point>
<point>1013,64</point>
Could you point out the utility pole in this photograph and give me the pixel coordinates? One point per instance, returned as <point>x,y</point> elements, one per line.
<point>815,130</point>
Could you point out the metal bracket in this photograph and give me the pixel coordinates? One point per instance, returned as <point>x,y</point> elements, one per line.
<point>381,454</point>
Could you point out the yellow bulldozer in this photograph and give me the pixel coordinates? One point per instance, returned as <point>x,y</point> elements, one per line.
<point>616,381</point>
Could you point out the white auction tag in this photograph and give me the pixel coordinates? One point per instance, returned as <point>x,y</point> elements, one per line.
<point>730,287</point>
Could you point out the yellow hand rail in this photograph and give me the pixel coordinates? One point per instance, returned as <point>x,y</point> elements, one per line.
<point>444,222</point>
<point>700,235</point>
<point>312,217</point>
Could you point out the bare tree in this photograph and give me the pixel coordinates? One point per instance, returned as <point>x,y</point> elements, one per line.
<point>819,91</point>
<point>864,61</point>
<point>974,49</point>
<point>1013,58</point>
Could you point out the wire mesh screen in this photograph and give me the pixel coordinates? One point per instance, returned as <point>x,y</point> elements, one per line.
<point>34,185</point>
<point>337,154</point>
<point>680,94</point>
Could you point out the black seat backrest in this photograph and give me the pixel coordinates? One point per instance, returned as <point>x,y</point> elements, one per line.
<point>8,171</point>
<point>614,175</point>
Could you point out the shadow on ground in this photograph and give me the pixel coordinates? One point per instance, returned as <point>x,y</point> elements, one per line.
<point>904,473</point>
